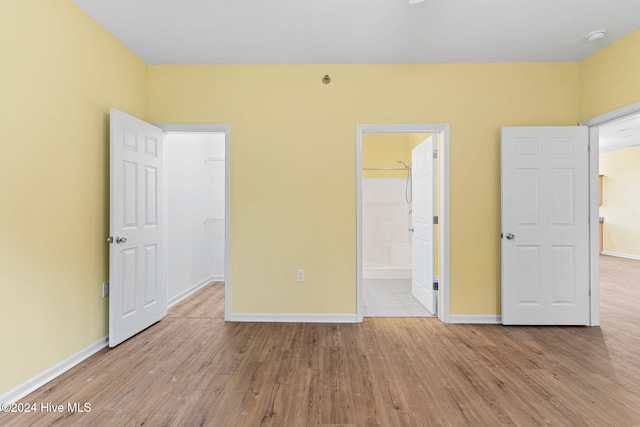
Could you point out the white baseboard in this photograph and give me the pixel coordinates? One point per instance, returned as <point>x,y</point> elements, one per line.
<point>293,318</point>
<point>184,294</point>
<point>619,255</point>
<point>53,372</point>
<point>484,319</point>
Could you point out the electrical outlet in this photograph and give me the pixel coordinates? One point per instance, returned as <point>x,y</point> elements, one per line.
<point>105,289</point>
<point>300,275</point>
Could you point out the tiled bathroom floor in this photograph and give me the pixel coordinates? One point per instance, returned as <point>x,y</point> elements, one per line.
<point>391,298</point>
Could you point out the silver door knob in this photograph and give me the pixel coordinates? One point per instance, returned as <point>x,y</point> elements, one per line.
<point>510,236</point>
<point>120,240</point>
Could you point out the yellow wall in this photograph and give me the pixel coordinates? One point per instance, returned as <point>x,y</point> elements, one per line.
<point>610,77</point>
<point>293,166</point>
<point>416,139</point>
<point>383,151</point>
<point>60,74</point>
<point>621,204</point>
<point>293,163</point>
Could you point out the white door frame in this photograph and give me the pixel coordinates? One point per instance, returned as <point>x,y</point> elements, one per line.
<point>210,128</point>
<point>594,195</point>
<point>442,130</point>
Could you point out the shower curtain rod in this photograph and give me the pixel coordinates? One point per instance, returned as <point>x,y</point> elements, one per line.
<point>384,169</point>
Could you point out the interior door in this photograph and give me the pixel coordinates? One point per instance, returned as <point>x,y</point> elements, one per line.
<point>137,294</point>
<point>422,182</point>
<point>545,226</point>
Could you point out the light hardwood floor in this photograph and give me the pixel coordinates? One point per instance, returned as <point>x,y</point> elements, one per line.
<point>194,369</point>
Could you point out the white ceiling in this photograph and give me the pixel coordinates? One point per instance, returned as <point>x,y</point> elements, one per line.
<point>370,31</point>
<point>361,31</point>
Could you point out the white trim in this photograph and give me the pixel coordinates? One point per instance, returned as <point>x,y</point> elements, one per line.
<point>617,114</point>
<point>359,257</point>
<point>293,318</point>
<point>227,221</point>
<point>621,255</point>
<point>444,203</point>
<point>191,128</point>
<point>444,294</point>
<point>594,147</point>
<point>214,128</point>
<point>594,227</point>
<point>476,319</point>
<point>184,294</point>
<point>53,372</point>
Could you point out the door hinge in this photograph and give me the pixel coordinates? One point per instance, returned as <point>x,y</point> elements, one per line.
<point>435,154</point>
<point>435,219</point>
<point>435,286</point>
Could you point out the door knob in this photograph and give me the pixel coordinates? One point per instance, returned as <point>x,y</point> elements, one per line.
<point>510,236</point>
<point>120,240</point>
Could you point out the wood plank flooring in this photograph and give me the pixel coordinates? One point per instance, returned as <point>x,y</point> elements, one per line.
<point>193,369</point>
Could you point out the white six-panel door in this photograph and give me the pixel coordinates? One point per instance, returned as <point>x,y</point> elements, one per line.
<point>545,226</point>
<point>138,297</point>
<point>422,167</point>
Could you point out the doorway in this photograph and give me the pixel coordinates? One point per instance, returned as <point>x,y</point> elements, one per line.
<point>597,125</point>
<point>619,174</point>
<point>194,166</point>
<point>387,225</point>
<point>385,219</point>
<point>197,208</point>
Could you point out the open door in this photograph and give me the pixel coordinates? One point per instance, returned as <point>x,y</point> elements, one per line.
<point>137,294</point>
<point>422,283</point>
<point>545,226</point>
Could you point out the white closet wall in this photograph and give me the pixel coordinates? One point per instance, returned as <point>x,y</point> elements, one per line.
<point>195,193</point>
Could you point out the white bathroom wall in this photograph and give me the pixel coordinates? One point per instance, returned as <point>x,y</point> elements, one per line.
<point>386,223</point>
<point>195,179</point>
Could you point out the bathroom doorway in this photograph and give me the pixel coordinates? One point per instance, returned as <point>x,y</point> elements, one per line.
<point>398,269</point>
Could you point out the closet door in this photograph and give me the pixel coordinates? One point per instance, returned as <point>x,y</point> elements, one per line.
<point>137,294</point>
